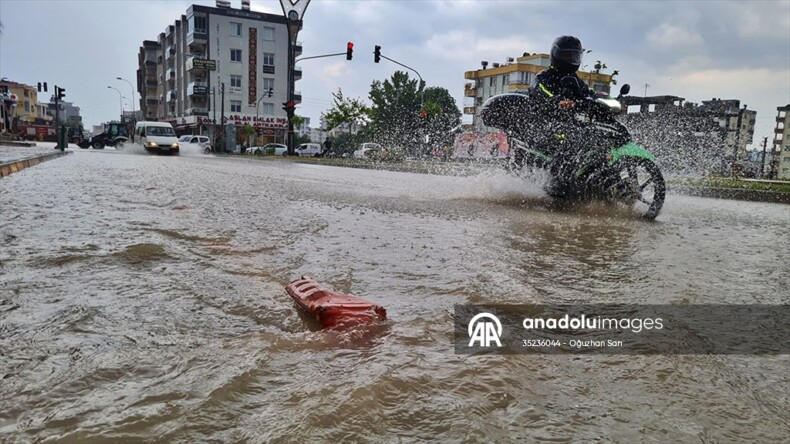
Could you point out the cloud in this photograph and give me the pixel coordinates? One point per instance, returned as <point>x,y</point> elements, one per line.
<point>670,38</point>
<point>335,70</point>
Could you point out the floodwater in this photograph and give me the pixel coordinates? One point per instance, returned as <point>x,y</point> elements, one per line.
<point>142,299</point>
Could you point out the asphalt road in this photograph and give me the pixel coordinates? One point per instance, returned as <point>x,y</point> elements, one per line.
<point>141,298</point>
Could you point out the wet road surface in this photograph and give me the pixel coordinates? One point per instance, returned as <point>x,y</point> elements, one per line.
<point>141,299</point>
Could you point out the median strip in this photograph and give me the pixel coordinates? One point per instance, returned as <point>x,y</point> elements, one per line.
<point>15,166</point>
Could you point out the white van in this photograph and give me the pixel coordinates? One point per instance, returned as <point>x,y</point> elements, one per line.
<point>156,137</point>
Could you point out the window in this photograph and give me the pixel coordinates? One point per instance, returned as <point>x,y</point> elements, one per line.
<point>235,81</point>
<point>235,106</point>
<point>268,59</point>
<point>268,109</point>
<point>235,29</point>
<point>492,82</point>
<point>268,33</point>
<point>506,79</point>
<point>235,55</point>
<point>198,24</point>
<point>268,84</point>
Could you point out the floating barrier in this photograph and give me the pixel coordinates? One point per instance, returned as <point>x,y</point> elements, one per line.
<point>334,310</point>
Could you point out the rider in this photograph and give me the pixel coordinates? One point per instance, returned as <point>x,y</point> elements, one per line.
<point>553,94</point>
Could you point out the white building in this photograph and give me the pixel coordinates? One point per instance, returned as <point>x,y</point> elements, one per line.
<point>781,149</point>
<point>182,74</point>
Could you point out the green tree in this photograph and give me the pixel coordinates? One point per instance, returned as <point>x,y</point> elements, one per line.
<point>346,110</point>
<point>395,115</point>
<point>441,115</point>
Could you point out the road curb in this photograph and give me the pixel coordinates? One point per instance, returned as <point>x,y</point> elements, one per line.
<point>16,166</point>
<point>733,193</point>
<point>17,143</point>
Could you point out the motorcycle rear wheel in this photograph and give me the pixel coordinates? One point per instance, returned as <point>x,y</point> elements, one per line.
<point>639,184</point>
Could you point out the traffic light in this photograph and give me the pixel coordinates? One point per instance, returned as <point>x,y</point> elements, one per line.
<point>270,92</point>
<point>60,93</point>
<point>289,107</point>
<point>377,54</point>
<point>349,50</point>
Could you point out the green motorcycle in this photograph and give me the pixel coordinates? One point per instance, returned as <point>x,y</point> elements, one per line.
<point>613,168</point>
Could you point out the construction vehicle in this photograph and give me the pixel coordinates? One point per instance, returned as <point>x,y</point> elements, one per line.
<point>115,134</point>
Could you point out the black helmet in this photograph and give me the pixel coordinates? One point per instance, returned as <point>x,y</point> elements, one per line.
<point>566,54</point>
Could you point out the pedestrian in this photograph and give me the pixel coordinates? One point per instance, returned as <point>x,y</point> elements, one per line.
<point>327,147</point>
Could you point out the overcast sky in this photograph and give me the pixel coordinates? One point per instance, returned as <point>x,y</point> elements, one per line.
<point>694,49</point>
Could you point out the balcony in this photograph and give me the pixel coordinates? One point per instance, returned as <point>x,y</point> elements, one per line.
<point>151,102</point>
<point>469,109</point>
<point>470,90</point>
<point>197,89</point>
<point>298,49</point>
<point>171,96</point>
<point>197,40</point>
<point>297,96</point>
<point>151,83</point>
<point>196,111</point>
<point>297,72</point>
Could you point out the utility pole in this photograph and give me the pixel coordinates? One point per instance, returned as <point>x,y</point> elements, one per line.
<point>762,164</point>
<point>647,85</point>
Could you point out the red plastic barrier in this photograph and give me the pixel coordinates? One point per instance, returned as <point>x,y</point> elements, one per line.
<point>334,310</point>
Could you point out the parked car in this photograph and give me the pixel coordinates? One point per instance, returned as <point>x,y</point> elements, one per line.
<point>270,148</point>
<point>367,150</point>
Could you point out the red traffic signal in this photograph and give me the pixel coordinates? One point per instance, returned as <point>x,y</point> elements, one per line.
<point>349,51</point>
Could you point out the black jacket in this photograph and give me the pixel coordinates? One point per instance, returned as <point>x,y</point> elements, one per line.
<point>549,85</point>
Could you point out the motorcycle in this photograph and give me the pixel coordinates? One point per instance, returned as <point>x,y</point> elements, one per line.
<point>611,167</point>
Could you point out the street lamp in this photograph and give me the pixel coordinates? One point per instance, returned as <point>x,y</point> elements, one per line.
<point>120,99</point>
<point>293,10</point>
<point>133,94</point>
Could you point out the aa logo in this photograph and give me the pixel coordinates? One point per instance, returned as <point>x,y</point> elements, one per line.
<point>485,329</point>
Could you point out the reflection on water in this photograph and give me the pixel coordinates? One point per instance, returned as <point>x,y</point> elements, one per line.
<point>141,298</point>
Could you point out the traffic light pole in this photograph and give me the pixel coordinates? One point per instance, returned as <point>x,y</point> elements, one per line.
<point>291,85</point>
<point>57,120</point>
<point>320,56</point>
<point>422,82</point>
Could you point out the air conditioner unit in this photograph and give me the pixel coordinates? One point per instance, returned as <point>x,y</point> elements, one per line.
<point>223,3</point>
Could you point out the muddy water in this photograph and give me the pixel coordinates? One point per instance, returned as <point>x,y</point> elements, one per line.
<point>141,299</point>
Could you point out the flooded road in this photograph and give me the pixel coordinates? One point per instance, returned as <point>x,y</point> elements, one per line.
<point>141,299</point>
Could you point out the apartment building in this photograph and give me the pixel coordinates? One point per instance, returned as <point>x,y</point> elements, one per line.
<point>516,75</point>
<point>214,60</point>
<point>736,121</point>
<point>19,103</point>
<point>781,150</point>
